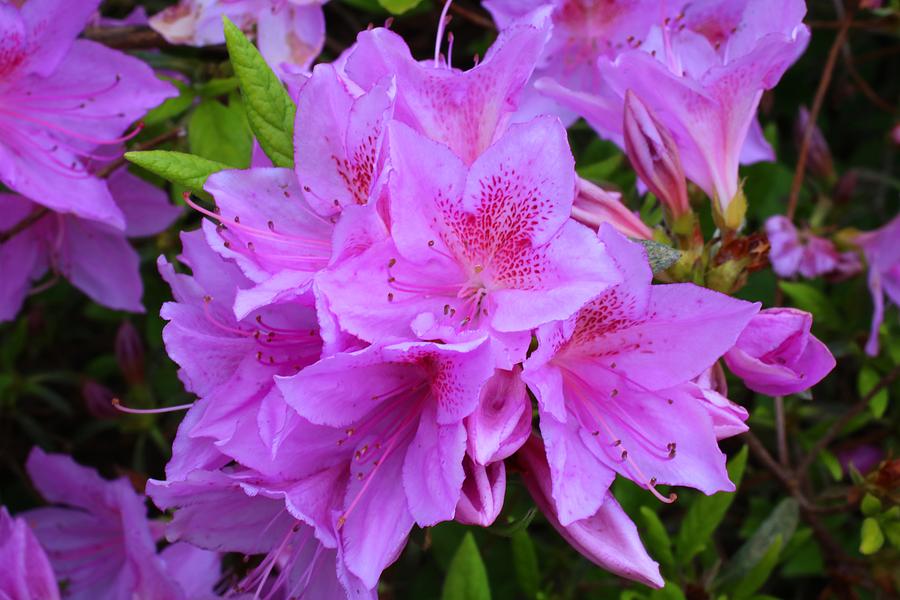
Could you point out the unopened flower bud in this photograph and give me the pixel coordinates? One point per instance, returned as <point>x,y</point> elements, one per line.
<point>818,157</point>
<point>130,353</point>
<point>654,156</point>
<point>593,206</point>
<point>98,400</point>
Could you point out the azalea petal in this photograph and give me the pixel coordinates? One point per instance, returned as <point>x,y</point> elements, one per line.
<point>502,420</point>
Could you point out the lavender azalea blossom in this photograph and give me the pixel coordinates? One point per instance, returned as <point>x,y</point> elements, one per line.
<point>93,255</point>
<point>882,251</point>
<point>99,541</point>
<point>614,389</point>
<point>62,101</point>
<point>794,252</point>
<point>290,33</point>
<point>777,355</point>
<point>26,572</point>
<point>702,72</point>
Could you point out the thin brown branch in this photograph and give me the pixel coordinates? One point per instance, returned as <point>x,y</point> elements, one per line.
<point>36,215</point>
<point>130,37</point>
<point>473,17</point>
<point>848,416</point>
<point>827,74</point>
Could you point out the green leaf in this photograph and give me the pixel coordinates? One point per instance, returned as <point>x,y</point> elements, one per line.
<point>601,170</point>
<point>179,168</point>
<point>270,110</point>
<point>671,591</point>
<point>525,563</point>
<point>780,524</point>
<point>891,531</point>
<point>832,464</point>
<point>220,133</point>
<point>870,505</point>
<point>398,7</point>
<point>657,538</point>
<point>173,106</point>
<point>217,87</point>
<point>705,514</point>
<point>810,299</point>
<point>872,539</point>
<point>466,578</point>
<point>760,572</point>
<point>868,379</point>
<point>660,256</point>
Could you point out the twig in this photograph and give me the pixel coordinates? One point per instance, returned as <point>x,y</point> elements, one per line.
<point>473,17</point>
<point>814,114</point>
<point>848,416</point>
<point>33,217</point>
<point>131,37</point>
<point>781,433</point>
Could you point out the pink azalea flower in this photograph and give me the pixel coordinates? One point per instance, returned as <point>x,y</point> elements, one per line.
<point>226,511</point>
<point>93,255</point>
<point>882,252</point>
<point>399,412</point>
<point>290,33</point>
<point>465,110</point>
<point>61,101</point>
<point>811,256</point>
<point>594,206</point>
<point>777,355</point>
<point>99,541</point>
<point>627,347</point>
<point>26,572</point>
<point>583,31</point>
<point>702,74</point>
<point>485,248</point>
<point>607,537</point>
<point>728,418</point>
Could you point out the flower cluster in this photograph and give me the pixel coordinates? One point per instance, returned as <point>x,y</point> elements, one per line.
<point>365,333</point>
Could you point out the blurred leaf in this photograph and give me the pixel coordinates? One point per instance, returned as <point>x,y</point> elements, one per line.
<point>526,563</point>
<point>601,170</point>
<point>398,7</point>
<point>660,256</point>
<point>871,537</point>
<point>657,538</point>
<point>184,169</point>
<point>760,572</point>
<point>467,578</point>
<point>511,528</point>
<point>172,107</point>
<point>220,133</point>
<point>705,514</point>
<point>218,87</point>
<point>780,524</point>
<point>671,591</point>
<point>870,505</point>
<point>810,299</point>
<point>270,110</point>
<point>868,379</point>
<point>832,464</point>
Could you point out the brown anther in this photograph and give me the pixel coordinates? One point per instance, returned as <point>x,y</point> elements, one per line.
<point>392,262</point>
<point>390,296</point>
<point>624,454</point>
<point>271,225</point>
<point>237,219</point>
<point>431,243</point>
<point>614,393</point>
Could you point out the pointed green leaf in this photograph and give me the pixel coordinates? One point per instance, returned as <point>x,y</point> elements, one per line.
<point>870,505</point>
<point>526,563</point>
<point>657,539</point>
<point>705,514</point>
<point>398,7</point>
<point>757,576</point>
<point>179,168</point>
<point>780,524</point>
<point>872,538</point>
<point>270,110</point>
<point>466,578</point>
<point>868,379</point>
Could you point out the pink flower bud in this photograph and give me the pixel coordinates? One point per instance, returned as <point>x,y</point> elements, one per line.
<point>777,355</point>
<point>654,156</point>
<point>482,493</point>
<point>130,353</point>
<point>818,158</point>
<point>98,400</point>
<point>594,205</point>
